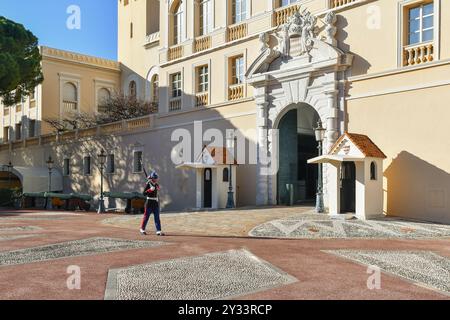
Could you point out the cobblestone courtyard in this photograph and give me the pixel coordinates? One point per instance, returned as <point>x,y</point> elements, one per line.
<point>269,253</point>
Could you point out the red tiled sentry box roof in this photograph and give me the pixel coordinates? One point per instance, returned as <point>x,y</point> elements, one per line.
<point>363,143</point>
<point>220,154</point>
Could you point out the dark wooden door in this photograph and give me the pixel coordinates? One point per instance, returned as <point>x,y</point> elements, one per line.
<point>348,187</point>
<point>207,188</point>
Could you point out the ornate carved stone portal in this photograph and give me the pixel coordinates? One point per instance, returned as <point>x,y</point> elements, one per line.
<point>299,63</point>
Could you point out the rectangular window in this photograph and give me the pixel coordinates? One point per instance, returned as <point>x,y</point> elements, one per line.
<point>31,128</point>
<point>178,24</point>
<point>237,70</point>
<point>205,18</point>
<point>110,164</point>
<point>18,131</point>
<point>87,170</point>
<point>131,30</point>
<point>138,162</point>
<point>239,9</point>
<point>421,24</point>
<point>175,80</point>
<point>203,78</point>
<point>66,167</point>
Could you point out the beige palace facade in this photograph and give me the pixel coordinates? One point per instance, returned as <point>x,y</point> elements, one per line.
<point>269,69</point>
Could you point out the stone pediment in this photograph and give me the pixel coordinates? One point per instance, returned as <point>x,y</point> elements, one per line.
<point>298,43</point>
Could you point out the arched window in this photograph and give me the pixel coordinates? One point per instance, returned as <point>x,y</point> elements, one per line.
<point>155,88</point>
<point>70,97</point>
<point>102,99</point>
<point>226,175</point>
<point>373,171</point>
<point>132,89</point>
<point>177,23</point>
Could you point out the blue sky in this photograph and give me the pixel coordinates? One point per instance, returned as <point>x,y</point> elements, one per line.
<point>47,20</point>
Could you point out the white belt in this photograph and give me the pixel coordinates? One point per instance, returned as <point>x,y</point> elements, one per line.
<point>154,199</point>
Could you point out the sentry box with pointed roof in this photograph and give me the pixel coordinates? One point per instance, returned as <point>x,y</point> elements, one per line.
<point>355,176</point>
<point>212,168</point>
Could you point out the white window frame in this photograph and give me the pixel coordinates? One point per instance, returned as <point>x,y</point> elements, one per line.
<point>243,16</point>
<point>206,21</point>
<point>172,82</point>
<point>201,75</point>
<point>421,27</point>
<point>237,70</point>
<point>228,57</point>
<point>178,24</point>
<point>402,20</point>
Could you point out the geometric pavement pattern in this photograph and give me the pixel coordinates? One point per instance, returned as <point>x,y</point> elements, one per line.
<point>310,226</point>
<point>219,275</point>
<point>423,267</point>
<point>72,249</point>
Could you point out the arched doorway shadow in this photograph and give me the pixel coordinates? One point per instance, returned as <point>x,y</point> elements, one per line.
<point>296,180</point>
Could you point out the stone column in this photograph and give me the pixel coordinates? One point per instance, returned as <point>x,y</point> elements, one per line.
<point>262,156</point>
<point>332,121</point>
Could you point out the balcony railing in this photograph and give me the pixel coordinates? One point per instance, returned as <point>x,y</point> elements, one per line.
<point>235,92</point>
<point>175,104</point>
<point>70,106</point>
<point>201,99</point>
<point>340,3</point>
<point>151,38</point>
<point>175,53</point>
<point>418,54</point>
<point>282,15</point>
<point>202,43</point>
<point>237,31</point>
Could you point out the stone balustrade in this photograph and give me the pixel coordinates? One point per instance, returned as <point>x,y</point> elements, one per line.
<point>202,43</point>
<point>106,129</point>
<point>175,52</point>
<point>418,54</point>
<point>201,99</point>
<point>70,106</point>
<point>151,38</point>
<point>175,104</point>
<point>282,15</point>
<point>237,31</point>
<point>236,92</point>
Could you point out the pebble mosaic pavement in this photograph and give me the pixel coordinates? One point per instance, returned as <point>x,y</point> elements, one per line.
<point>72,249</point>
<point>423,267</point>
<point>212,276</point>
<point>310,226</point>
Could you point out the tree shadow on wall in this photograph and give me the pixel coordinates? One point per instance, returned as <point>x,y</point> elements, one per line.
<point>417,189</point>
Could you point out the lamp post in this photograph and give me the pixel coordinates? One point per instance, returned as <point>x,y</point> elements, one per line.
<point>230,200</point>
<point>50,163</point>
<point>102,161</point>
<point>320,136</point>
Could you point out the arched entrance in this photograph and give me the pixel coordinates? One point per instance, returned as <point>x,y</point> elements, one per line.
<point>297,181</point>
<point>9,181</point>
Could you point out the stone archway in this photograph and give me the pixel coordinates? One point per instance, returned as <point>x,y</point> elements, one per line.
<point>296,66</point>
<point>296,180</point>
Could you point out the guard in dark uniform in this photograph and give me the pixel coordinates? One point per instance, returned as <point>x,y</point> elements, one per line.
<point>152,204</point>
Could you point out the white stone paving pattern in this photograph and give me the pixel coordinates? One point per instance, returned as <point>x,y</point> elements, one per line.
<point>72,249</point>
<point>212,276</point>
<point>317,226</point>
<point>423,267</point>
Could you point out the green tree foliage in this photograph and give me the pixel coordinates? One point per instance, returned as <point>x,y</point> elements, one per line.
<point>20,62</point>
